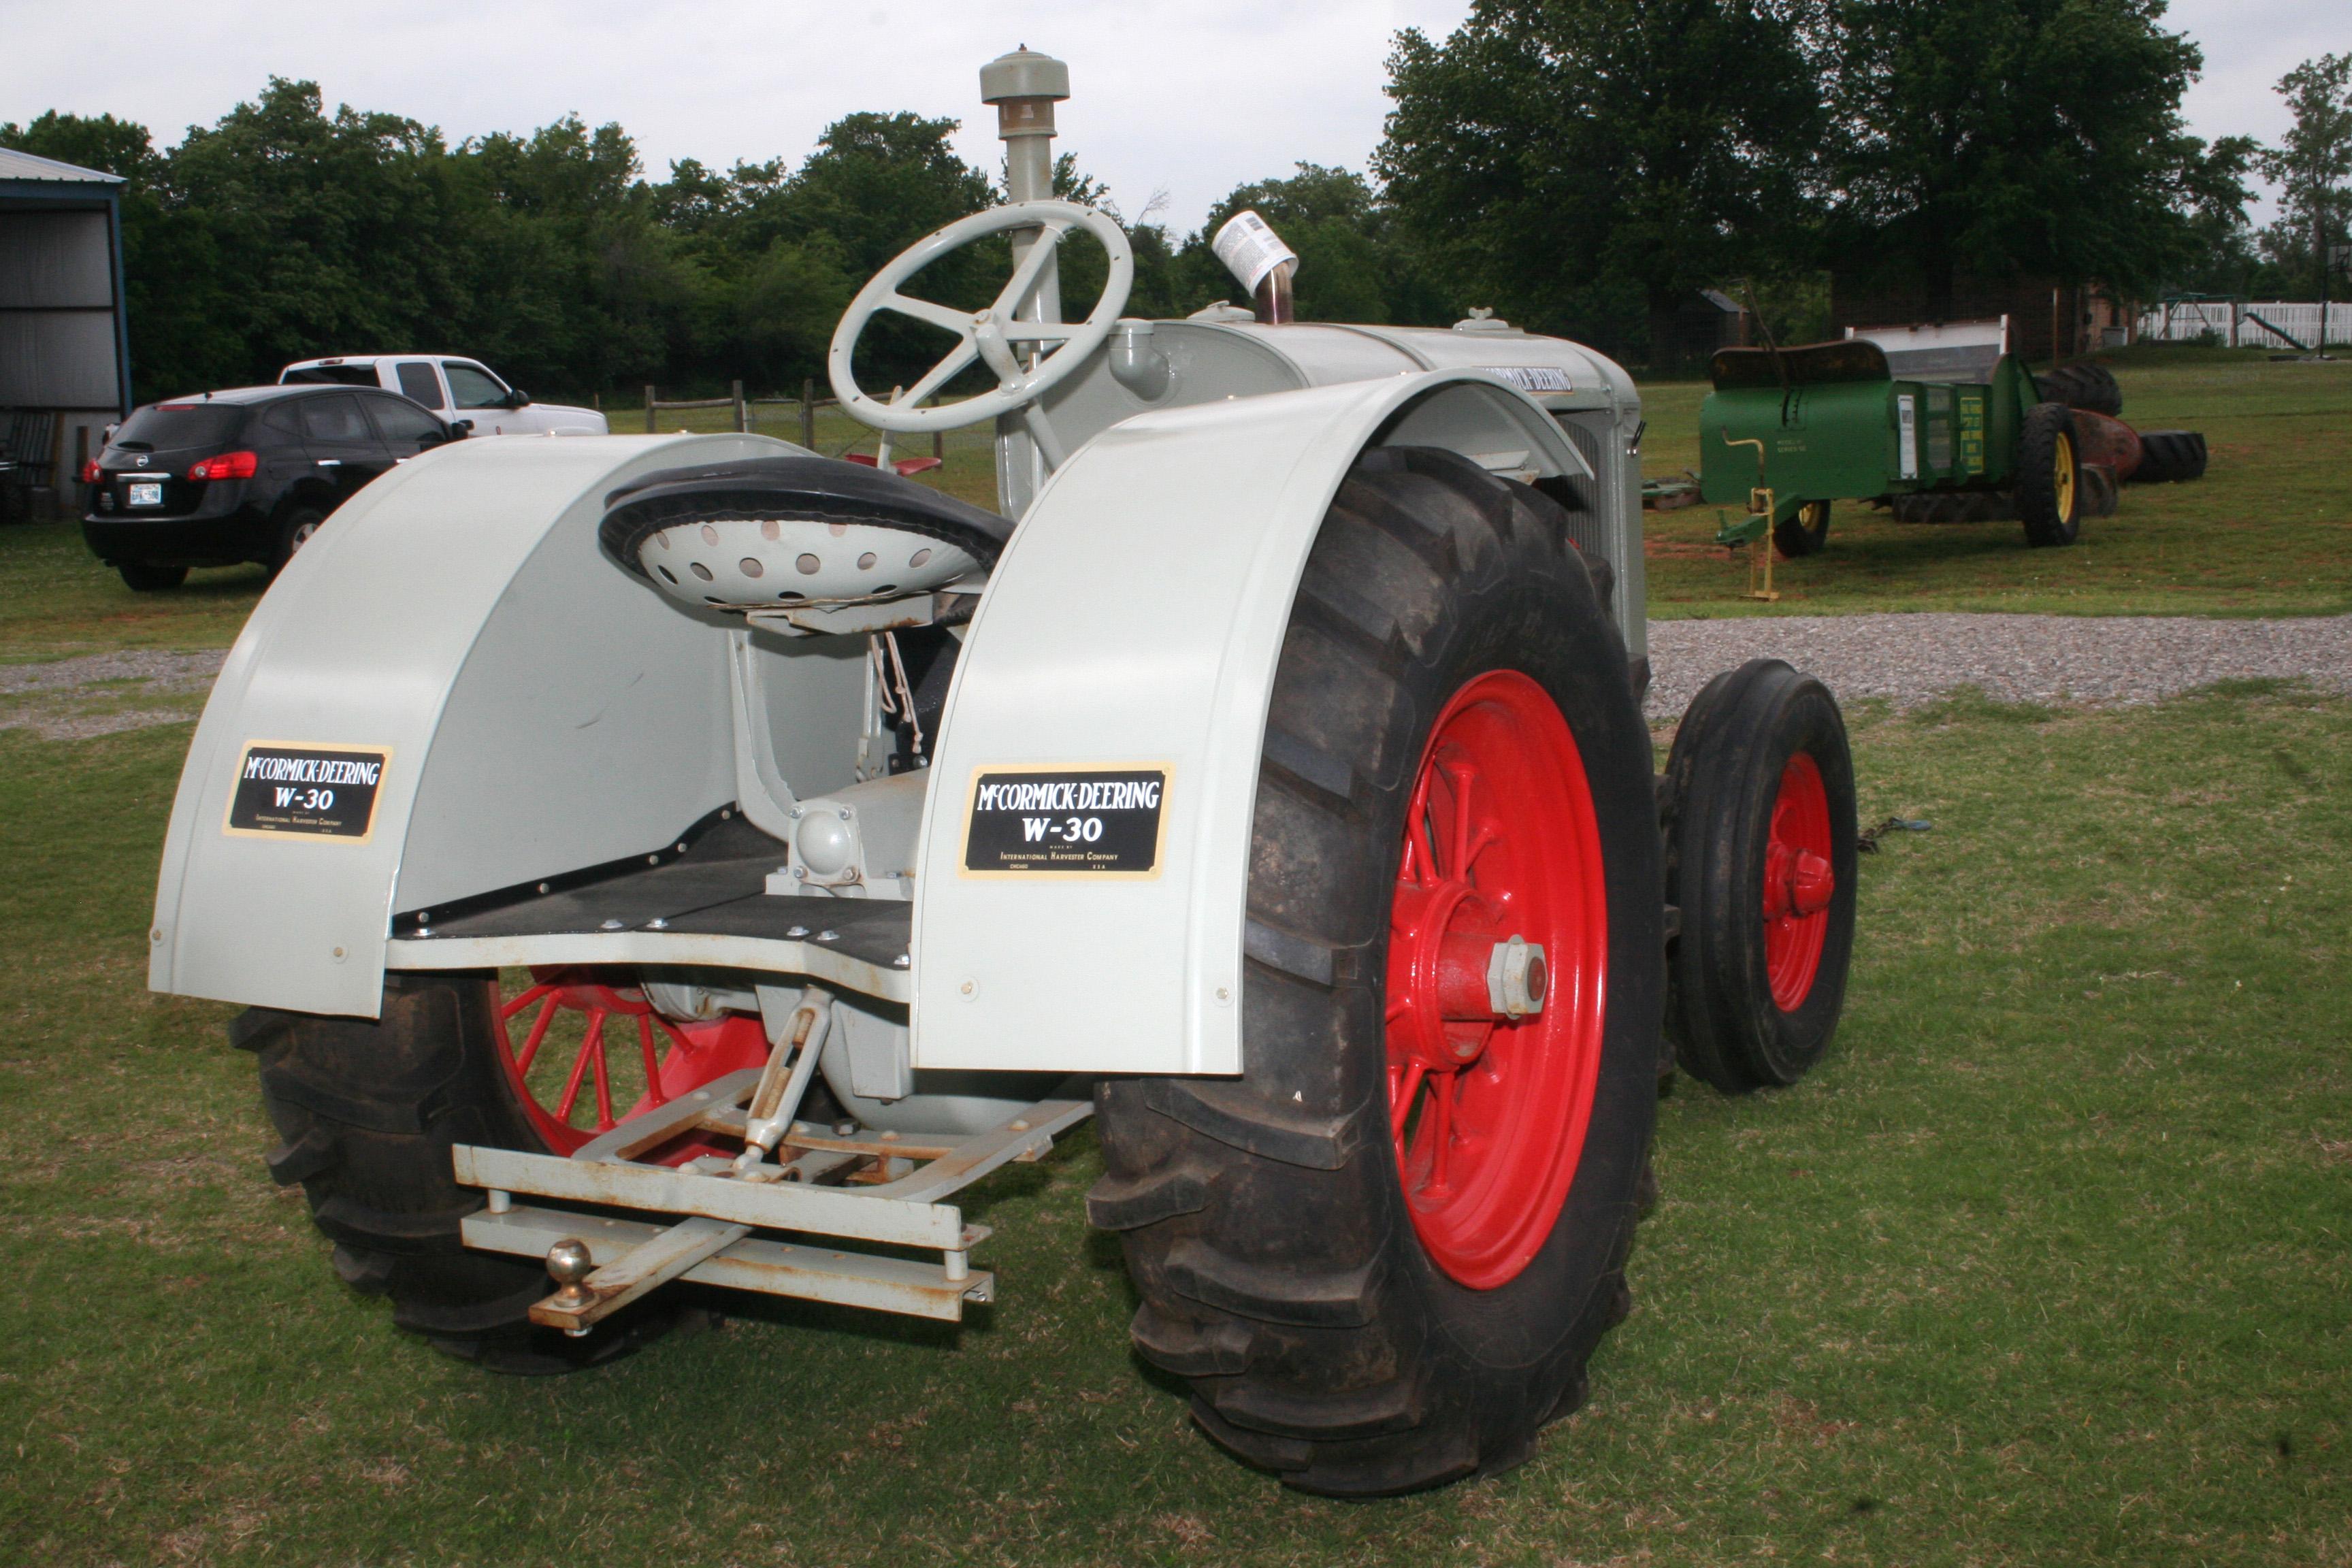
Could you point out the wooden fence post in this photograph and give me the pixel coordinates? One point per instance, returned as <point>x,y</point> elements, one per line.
<point>649,411</point>
<point>742,412</point>
<point>808,414</point>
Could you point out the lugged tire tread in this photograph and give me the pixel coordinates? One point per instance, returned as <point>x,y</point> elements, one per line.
<point>1284,1293</point>
<point>1126,1202</point>
<point>1229,1114</point>
<point>1376,1412</point>
<point>1192,1350</point>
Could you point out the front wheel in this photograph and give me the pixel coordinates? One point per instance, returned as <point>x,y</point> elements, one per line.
<point>1384,1256</point>
<point>1761,861</point>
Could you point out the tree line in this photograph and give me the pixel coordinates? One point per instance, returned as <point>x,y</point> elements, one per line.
<point>1583,165</point>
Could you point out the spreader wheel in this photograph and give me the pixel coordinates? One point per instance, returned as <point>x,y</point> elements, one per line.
<point>1803,531</point>
<point>1761,860</point>
<point>2049,476</point>
<point>1384,1256</point>
<point>368,1109</point>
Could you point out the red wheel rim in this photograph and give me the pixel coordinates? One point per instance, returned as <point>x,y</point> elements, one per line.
<point>1488,1111</point>
<point>1799,883</point>
<point>621,1040</point>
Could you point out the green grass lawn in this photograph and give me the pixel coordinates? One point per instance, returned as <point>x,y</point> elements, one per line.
<point>2267,531</point>
<point>2046,1263</point>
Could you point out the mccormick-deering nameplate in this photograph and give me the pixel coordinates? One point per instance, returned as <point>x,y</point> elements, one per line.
<point>1079,820</point>
<point>327,791</point>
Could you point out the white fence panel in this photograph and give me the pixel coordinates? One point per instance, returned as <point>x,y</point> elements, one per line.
<point>2234,325</point>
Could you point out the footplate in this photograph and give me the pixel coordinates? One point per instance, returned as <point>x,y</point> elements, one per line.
<point>712,1218</point>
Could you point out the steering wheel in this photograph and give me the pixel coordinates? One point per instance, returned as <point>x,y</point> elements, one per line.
<point>994,336</point>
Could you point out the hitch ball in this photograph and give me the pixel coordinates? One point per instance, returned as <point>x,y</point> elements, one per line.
<point>569,1264</point>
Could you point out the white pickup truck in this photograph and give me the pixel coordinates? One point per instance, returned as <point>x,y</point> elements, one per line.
<point>459,390</point>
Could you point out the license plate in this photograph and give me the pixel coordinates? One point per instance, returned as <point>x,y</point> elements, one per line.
<point>144,492</point>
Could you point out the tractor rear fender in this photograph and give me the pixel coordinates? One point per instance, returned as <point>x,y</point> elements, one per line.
<point>1132,632</point>
<point>529,710</point>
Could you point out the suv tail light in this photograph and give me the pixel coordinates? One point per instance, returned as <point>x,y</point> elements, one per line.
<point>89,472</point>
<point>228,466</point>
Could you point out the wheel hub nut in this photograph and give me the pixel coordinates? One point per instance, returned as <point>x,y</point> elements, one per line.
<point>1516,978</point>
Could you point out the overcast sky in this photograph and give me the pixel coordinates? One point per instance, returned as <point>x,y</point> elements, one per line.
<point>1186,97</point>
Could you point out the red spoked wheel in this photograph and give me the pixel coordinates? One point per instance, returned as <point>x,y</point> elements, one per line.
<point>1493,1052</point>
<point>1760,830</point>
<point>569,1049</point>
<point>1800,883</point>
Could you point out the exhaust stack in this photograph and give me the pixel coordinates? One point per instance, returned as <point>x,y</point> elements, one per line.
<point>1256,255</point>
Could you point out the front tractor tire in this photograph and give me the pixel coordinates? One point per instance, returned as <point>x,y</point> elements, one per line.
<point>1383,1257</point>
<point>368,1109</point>
<point>1760,845</point>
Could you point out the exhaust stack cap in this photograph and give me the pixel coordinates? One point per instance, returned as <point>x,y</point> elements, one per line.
<point>1024,86</point>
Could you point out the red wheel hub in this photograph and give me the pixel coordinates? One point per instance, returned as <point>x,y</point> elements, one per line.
<point>690,1056</point>
<point>1799,883</point>
<point>1493,1051</point>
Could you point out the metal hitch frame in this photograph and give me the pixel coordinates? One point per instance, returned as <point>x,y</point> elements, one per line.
<point>715,1242</point>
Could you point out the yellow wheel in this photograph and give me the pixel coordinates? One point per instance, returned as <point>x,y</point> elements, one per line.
<point>2049,476</point>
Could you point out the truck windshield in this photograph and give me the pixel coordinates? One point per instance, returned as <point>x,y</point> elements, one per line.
<point>170,426</point>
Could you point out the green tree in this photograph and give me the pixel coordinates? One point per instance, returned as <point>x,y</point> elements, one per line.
<point>330,233</point>
<point>565,278</point>
<point>2222,257</point>
<point>1997,137</point>
<point>2312,166</point>
<point>1585,165</point>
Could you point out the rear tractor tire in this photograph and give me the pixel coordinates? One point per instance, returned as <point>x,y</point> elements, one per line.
<point>1760,838</point>
<point>1803,531</point>
<point>1383,1257</point>
<point>2050,494</point>
<point>368,1110</point>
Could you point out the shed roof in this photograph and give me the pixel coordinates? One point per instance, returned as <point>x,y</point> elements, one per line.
<point>16,165</point>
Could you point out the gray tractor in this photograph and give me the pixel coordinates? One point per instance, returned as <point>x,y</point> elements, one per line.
<point>661,859</point>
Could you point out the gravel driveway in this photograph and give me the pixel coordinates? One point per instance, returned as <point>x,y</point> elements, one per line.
<point>1912,659</point>
<point>1908,659</point>
<point>105,693</point>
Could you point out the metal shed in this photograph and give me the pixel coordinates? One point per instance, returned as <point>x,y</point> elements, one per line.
<point>65,358</point>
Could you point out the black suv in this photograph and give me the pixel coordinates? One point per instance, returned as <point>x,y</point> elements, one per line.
<point>246,475</point>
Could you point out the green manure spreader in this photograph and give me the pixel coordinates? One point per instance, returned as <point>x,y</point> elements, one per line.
<point>1937,424</point>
